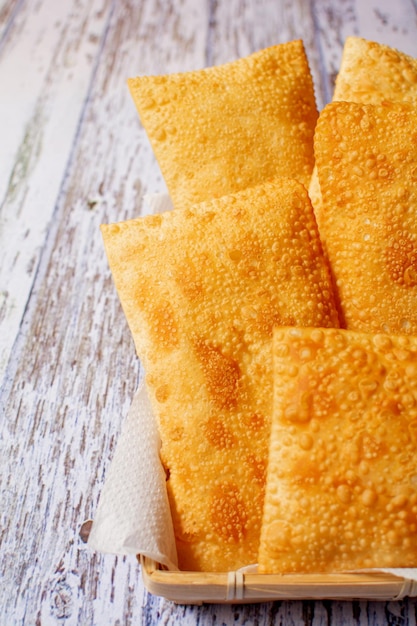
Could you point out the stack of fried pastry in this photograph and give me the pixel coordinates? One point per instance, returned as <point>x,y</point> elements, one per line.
<point>279,333</point>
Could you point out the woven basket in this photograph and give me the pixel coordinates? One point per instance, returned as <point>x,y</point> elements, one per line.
<point>238,587</point>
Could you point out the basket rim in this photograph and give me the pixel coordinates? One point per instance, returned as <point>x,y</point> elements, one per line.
<point>246,587</point>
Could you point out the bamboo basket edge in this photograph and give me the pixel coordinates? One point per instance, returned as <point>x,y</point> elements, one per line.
<point>242,588</point>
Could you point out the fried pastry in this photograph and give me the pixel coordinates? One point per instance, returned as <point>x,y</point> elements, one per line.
<point>370,73</point>
<point>202,289</point>
<point>218,130</point>
<point>366,159</point>
<point>341,488</point>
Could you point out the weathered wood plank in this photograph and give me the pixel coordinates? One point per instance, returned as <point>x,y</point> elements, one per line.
<point>8,10</point>
<point>46,65</point>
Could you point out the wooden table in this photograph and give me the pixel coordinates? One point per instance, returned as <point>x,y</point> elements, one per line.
<point>73,155</point>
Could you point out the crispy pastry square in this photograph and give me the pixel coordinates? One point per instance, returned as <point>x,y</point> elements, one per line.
<point>366,159</point>
<point>218,130</point>
<point>370,73</point>
<point>341,488</point>
<point>202,289</point>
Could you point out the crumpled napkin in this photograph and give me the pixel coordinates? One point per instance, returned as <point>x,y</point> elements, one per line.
<point>133,514</point>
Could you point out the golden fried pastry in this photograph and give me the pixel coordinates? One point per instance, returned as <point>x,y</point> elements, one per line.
<point>202,289</point>
<point>370,73</point>
<point>341,488</point>
<point>218,130</point>
<point>366,159</point>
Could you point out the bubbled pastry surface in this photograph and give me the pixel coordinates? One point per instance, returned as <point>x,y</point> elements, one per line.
<point>218,130</point>
<point>202,289</point>
<point>342,480</point>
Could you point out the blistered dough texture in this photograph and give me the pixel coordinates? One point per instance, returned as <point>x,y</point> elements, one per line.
<point>342,479</point>
<point>369,73</point>
<point>372,72</point>
<point>366,158</point>
<point>218,130</point>
<point>202,289</point>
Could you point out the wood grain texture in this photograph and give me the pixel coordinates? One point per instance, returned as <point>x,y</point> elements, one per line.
<point>47,63</point>
<point>73,155</point>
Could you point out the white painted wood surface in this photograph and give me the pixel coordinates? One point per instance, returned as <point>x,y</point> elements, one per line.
<point>73,155</point>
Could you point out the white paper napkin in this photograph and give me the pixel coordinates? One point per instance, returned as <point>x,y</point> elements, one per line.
<point>133,515</point>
